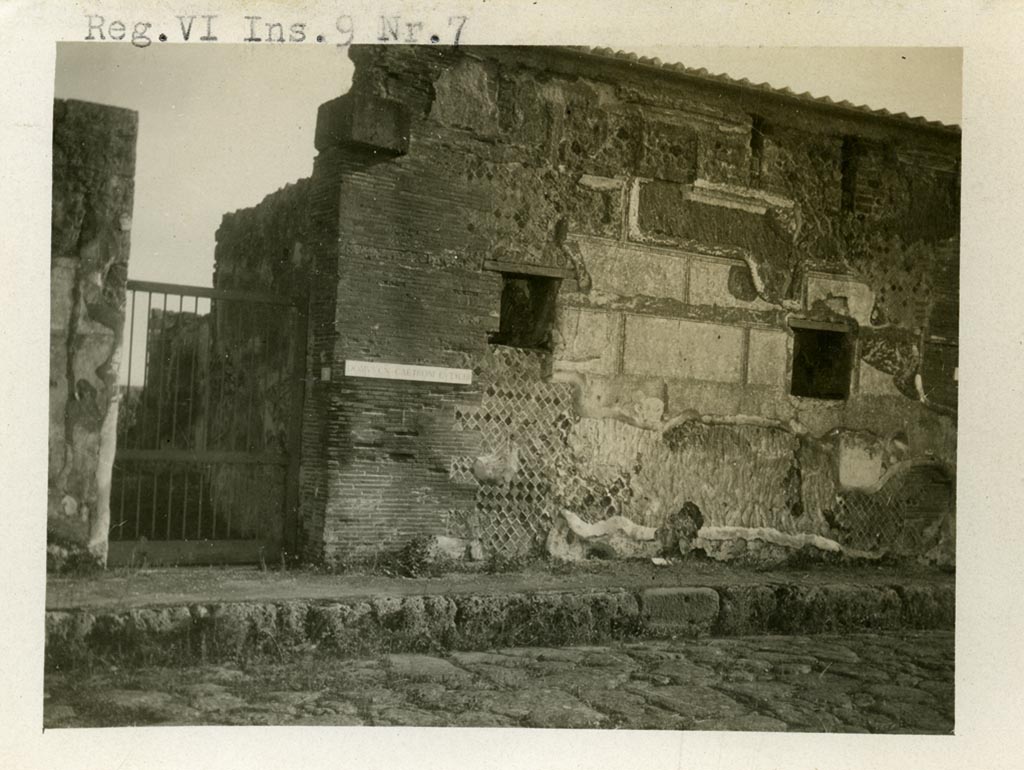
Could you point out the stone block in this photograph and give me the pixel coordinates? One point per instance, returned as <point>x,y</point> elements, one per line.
<point>928,606</point>
<point>597,207</point>
<point>704,397</point>
<point>667,212</point>
<point>376,124</point>
<point>767,357</point>
<point>873,382</point>
<point>594,138</point>
<point>745,610</point>
<point>709,285</point>
<point>586,341</point>
<point>631,271</point>
<point>669,151</point>
<point>665,347</point>
<point>860,461</point>
<point>844,296</point>
<point>466,96</point>
<point>679,611</point>
<point>836,608</point>
<point>724,155</point>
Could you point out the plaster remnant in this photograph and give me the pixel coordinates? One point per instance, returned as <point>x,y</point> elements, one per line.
<point>572,539</point>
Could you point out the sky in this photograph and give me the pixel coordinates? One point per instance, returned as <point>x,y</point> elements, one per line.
<point>222,126</point>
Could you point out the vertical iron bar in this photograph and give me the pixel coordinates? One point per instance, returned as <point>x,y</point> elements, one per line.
<point>231,505</point>
<point>178,332</point>
<point>199,521</point>
<point>170,496</point>
<point>181,335</point>
<point>160,385</point>
<point>128,385</point>
<point>192,373</point>
<point>213,505</point>
<point>206,383</point>
<point>138,501</point>
<point>184,503</point>
<point>145,375</point>
<point>152,526</point>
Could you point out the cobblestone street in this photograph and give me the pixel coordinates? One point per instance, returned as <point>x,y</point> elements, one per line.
<point>892,683</point>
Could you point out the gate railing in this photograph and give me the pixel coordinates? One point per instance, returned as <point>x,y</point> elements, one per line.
<point>207,451</point>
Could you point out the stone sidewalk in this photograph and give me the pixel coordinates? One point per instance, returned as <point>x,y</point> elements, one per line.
<point>878,683</point>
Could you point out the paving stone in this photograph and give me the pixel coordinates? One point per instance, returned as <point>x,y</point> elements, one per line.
<point>339,708</point>
<point>740,676</point>
<point>654,718</point>
<point>575,678</point>
<point>58,714</point>
<point>150,705</point>
<point>614,702</point>
<point>223,674</point>
<point>607,659</point>
<point>519,704</point>
<point>836,654</point>
<point>491,658</point>
<point>204,688</point>
<point>915,715</point>
<point>564,716</point>
<point>684,672</point>
<point>222,701</point>
<point>860,672</point>
<point>753,722</point>
<point>759,665</point>
<point>503,676</point>
<point>413,717</point>
<point>291,697</point>
<point>480,719</point>
<point>417,667</point>
<point>327,720</point>
<point>691,702</point>
<point>702,684</point>
<point>892,692</point>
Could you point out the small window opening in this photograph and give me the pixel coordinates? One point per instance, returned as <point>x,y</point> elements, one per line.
<point>822,363</point>
<point>848,170</point>
<point>758,129</point>
<point>527,311</point>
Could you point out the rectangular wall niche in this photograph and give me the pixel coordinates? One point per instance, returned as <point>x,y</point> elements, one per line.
<point>822,362</point>
<point>527,311</point>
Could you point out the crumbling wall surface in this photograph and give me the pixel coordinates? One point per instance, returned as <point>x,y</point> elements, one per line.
<point>93,188</point>
<point>258,351</point>
<point>263,248</point>
<point>691,224</point>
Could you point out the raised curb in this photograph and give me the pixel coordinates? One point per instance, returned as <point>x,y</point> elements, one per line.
<point>683,611</point>
<point>238,630</point>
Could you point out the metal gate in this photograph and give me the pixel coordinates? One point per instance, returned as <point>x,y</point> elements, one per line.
<point>208,435</point>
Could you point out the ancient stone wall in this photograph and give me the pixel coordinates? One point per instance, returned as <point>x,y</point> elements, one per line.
<point>257,350</point>
<point>699,242</point>
<point>93,188</point>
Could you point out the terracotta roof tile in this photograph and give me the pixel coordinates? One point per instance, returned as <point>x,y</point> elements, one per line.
<point>702,74</point>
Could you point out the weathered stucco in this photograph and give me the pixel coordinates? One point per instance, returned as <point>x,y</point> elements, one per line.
<point>686,253</point>
<point>93,185</point>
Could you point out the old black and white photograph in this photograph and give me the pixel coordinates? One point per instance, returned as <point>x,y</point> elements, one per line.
<point>401,378</point>
<point>571,389</point>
